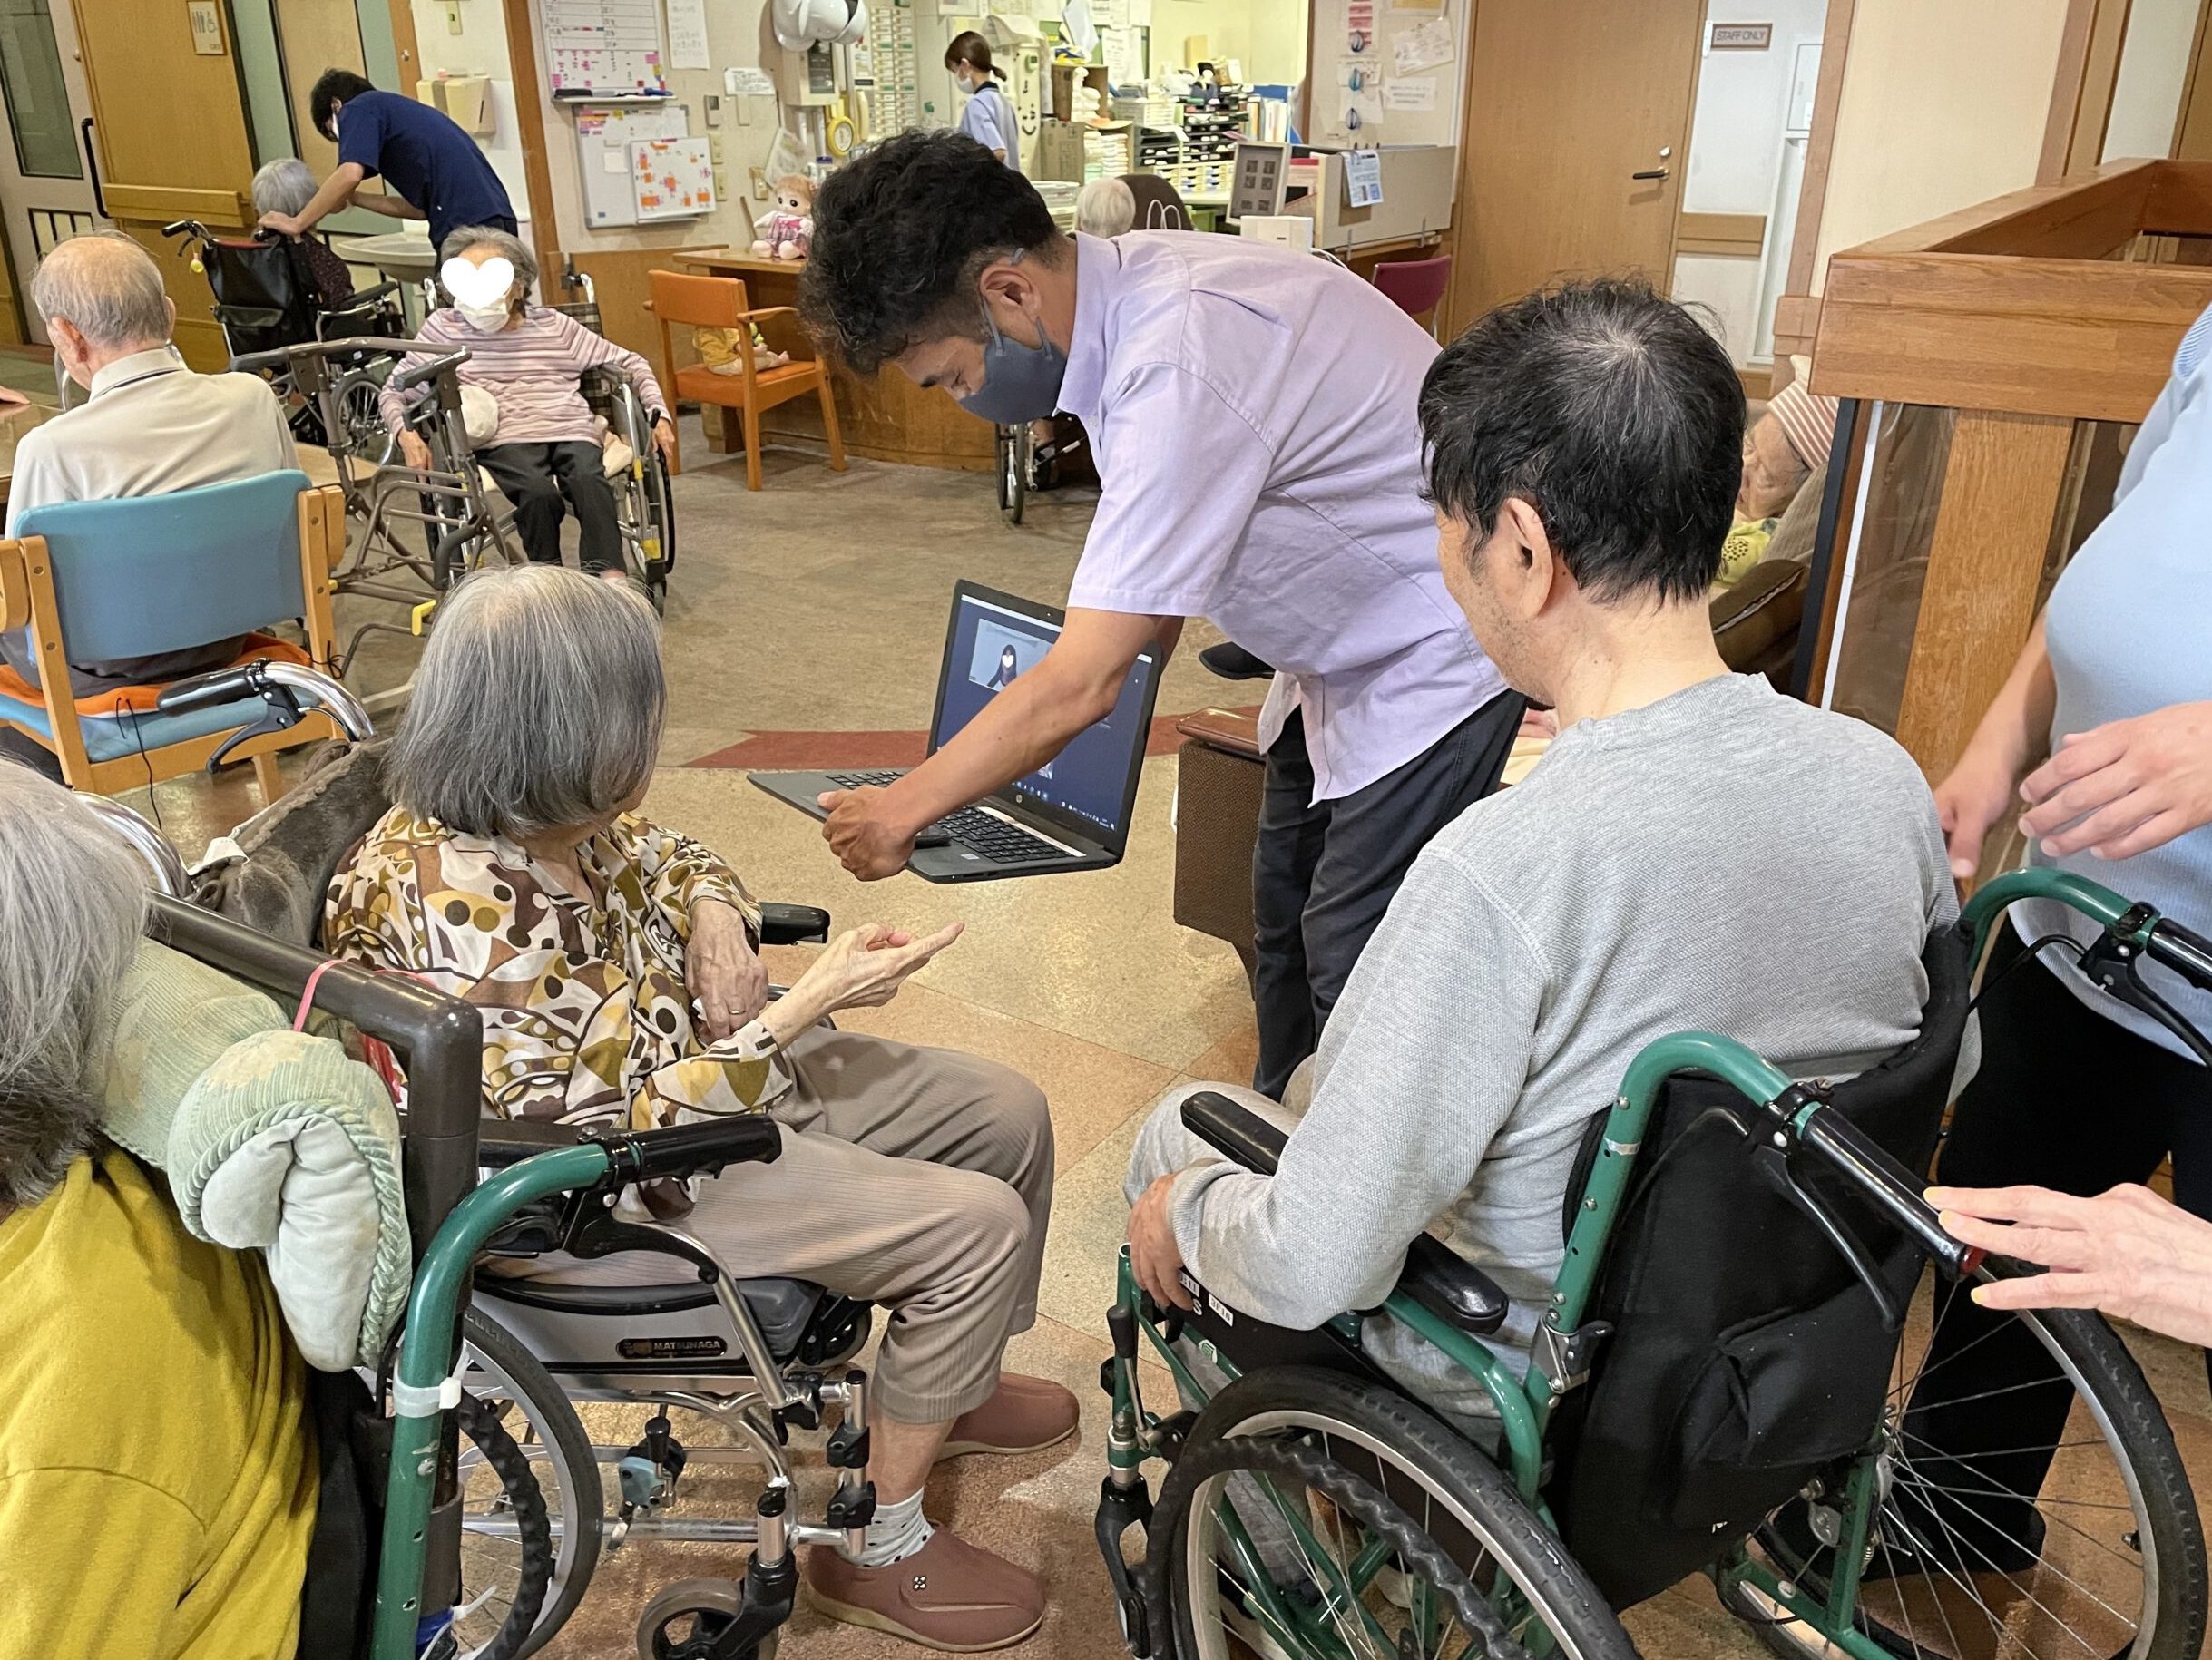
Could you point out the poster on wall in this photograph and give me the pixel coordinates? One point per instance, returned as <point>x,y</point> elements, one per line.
<point>603,46</point>
<point>686,35</point>
<point>674,177</point>
<point>1423,46</point>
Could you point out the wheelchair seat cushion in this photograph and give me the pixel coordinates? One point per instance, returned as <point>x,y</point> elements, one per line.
<point>1745,1354</point>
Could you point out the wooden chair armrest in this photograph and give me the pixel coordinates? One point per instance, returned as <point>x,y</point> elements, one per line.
<point>1224,729</point>
<point>759,312</point>
<point>14,587</point>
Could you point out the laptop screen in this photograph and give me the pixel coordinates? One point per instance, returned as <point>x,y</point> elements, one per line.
<point>994,641</point>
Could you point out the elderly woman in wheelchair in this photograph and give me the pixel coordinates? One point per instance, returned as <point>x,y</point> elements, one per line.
<point>170,1520</point>
<point>614,962</point>
<point>538,441</point>
<point>1621,1285</point>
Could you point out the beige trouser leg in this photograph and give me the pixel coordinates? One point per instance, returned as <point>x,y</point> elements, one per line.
<point>917,1178</point>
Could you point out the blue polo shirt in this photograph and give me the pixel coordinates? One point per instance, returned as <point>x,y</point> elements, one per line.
<point>424,156</point>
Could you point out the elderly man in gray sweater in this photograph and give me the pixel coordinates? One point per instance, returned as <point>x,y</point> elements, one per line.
<point>1695,851</point>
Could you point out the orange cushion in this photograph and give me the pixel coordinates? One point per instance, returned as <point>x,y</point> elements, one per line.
<point>139,699</point>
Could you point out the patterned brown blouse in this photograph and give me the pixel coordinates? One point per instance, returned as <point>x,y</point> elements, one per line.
<point>586,1016</point>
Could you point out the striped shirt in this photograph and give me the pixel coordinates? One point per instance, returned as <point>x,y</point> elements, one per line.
<point>531,366</point>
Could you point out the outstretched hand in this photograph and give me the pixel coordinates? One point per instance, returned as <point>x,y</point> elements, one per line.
<point>2125,786</point>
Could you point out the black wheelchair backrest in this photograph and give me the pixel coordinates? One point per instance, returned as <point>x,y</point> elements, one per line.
<point>1746,1354</point>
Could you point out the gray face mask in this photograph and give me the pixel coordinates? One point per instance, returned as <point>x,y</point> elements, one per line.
<point>1020,383</point>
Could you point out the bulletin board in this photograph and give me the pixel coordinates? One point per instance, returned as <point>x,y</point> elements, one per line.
<point>1386,71</point>
<point>607,47</point>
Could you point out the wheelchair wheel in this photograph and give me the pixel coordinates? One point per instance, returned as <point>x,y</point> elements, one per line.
<point>1013,472</point>
<point>506,1377</point>
<point>683,1620</point>
<point>362,432</point>
<point>1310,1517</point>
<point>1976,1550</point>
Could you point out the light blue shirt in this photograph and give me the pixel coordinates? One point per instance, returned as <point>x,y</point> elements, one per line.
<point>989,121</point>
<point>2130,630</point>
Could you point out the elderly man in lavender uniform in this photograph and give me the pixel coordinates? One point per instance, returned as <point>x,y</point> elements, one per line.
<point>1252,412</point>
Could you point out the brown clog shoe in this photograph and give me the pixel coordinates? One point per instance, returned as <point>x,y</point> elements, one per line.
<point>1026,1415</point>
<point>949,1595</point>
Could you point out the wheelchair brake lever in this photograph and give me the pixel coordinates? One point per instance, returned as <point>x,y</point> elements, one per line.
<point>281,713</point>
<point>2113,963</point>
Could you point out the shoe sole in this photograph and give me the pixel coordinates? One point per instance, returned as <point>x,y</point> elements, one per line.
<point>874,1621</point>
<point>954,1450</point>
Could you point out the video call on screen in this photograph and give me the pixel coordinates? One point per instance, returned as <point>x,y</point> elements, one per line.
<point>990,649</point>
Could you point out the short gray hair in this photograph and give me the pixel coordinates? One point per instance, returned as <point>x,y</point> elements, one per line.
<point>1105,208</point>
<point>283,186</point>
<point>72,899</point>
<point>106,287</point>
<point>538,703</point>
<point>512,248</point>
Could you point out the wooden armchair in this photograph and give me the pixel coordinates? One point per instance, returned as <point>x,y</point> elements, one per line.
<point>719,302</point>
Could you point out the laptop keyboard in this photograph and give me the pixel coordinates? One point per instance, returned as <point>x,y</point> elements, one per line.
<point>994,838</point>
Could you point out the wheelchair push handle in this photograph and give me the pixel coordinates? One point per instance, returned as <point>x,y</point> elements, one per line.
<point>1885,1183</point>
<point>275,683</point>
<point>691,1149</point>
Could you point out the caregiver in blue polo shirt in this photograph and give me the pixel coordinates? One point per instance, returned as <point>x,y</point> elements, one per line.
<point>434,169</point>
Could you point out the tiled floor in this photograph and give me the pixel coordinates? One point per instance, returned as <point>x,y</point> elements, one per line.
<point>819,604</point>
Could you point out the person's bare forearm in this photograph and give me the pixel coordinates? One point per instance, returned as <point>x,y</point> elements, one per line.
<point>1017,732</point>
<point>390,206</point>
<point>335,192</point>
<point>2016,727</point>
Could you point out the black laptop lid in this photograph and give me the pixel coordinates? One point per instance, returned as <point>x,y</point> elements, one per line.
<point>1090,787</point>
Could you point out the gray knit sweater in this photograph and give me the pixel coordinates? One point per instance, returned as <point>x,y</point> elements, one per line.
<point>1727,859</point>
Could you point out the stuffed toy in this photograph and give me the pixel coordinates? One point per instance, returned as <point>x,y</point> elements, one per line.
<point>721,349</point>
<point>791,223</point>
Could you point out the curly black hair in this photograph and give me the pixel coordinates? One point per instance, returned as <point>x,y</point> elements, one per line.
<point>900,234</point>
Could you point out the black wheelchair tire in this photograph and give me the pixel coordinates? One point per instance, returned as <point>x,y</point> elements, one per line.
<point>713,1605</point>
<point>1270,1421</point>
<point>547,1409</point>
<point>479,1422</point>
<point>2139,1438</point>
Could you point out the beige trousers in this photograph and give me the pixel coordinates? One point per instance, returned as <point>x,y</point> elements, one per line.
<point>920,1179</point>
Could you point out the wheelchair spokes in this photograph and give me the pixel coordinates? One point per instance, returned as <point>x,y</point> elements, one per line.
<point>2028,1504</point>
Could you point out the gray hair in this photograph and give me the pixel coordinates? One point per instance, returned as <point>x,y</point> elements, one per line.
<point>538,703</point>
<point>512,248</point>
<point>1105,208</point>
<point>283,186</point>
<point>107,287</point>
<point>73,898</point>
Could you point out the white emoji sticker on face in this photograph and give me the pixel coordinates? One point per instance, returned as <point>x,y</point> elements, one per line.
<point>477,285</point>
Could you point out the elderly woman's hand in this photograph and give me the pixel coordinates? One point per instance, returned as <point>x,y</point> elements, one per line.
<point>725,975</point>
<point>2126,1251</point>
<point>862,968</point>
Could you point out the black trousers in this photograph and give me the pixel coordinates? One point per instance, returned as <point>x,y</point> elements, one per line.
<point>1323,873</point>
<point>537,478</point>
<point>2064,1100</point>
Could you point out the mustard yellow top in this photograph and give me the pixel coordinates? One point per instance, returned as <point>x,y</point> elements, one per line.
<point>157,1483</point>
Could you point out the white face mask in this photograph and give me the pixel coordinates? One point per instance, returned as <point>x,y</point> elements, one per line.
<point>966,81</point>
<point>486,319</point>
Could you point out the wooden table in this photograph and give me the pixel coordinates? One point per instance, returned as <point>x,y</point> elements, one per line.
<point>887,418</point>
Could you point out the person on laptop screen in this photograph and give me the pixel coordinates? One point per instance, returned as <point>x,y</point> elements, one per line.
<point>1251,410</point>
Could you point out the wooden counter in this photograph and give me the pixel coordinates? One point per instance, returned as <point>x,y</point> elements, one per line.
<point>887,418</point>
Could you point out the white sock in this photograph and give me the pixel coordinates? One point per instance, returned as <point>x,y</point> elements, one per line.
<point>898,1532</point>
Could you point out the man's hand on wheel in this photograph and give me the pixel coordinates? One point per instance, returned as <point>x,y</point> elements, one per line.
<point>1155,1260</point>
<point>863,835</point>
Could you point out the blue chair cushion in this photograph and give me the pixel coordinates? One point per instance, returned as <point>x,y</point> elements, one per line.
<point>113,737</point>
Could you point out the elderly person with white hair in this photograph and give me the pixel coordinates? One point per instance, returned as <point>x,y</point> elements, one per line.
<point>172,1520</point>
<point>285,187</point>
<point>614,964</point>
<point>150,427</point>
<point>546,447</point>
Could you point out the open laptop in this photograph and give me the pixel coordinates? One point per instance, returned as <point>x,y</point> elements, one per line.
<point>1071,813</point>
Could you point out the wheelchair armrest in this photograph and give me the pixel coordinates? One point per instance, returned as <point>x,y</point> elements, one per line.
<point>794,925</point>
<point>1452,1288</point>
<point>1237,1131</point>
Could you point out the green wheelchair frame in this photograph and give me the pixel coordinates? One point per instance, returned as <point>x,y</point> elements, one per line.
<point>1796,1118</point>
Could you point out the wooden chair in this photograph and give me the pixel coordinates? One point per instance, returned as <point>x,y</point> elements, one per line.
<point>719,302</point>
<point>149,574</point>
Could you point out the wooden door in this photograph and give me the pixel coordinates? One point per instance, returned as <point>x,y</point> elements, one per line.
<point>1567,103</point>
<point>169,134</point>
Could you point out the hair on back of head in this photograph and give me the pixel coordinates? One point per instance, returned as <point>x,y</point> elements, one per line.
<point>1614,413</point>
<point>538,703</point>
<point>332,88</point>
<point>971,49</point>
<point>72,899</point>
<point>107,288</point>
<point>900,236</point>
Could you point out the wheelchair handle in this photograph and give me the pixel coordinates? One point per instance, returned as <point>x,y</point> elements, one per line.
<point>351,346</point>
<point>691,1149</point>
<point>407,379</point>
<point>2183,949</point>
<point>256,679</point>
<point>1887,1185</point>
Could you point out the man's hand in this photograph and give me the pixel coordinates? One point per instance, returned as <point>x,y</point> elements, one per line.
<point>866,838</point>
<point>664,438</point>
<point>284,224</point>
<point>721,970</point>
<point>413,451</point>
<point>2125,786</point>
<point>2126,1251</point>
<point>1154,1257</point>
